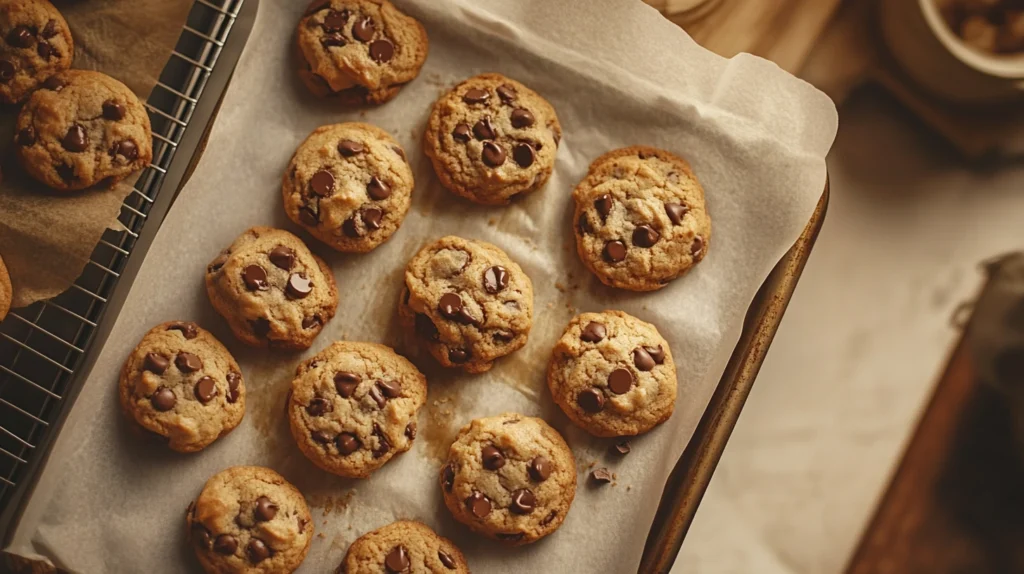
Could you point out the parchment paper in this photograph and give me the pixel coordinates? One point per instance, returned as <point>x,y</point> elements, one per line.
<point>112,500</point>
<point>46,237</point>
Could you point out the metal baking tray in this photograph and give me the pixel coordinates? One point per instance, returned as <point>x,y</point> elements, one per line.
<point>48,349</point>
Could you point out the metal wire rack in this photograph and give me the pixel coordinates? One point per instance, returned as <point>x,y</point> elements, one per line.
<point>44,346</point>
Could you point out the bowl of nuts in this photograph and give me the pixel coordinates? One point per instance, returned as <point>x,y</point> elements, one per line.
<point>968,51</point>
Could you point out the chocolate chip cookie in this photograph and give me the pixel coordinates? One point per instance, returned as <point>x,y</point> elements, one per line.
<point>81,128</point>
<point>359,51</point>
<point>510,477</point>
<point>272,290</point>
<point>349,185</point>
<point>249,520</point>
<point>492,138</point>
<point>640,218</point>
<point>468,303</point>
<point>353,407</point>
<point>613,374</point>
<point>181,383</point>
<point>403,547</point>
<point>36,45</point>
<point>6,290</point>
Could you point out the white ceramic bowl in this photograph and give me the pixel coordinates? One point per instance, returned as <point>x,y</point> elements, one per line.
<point>939,61</point>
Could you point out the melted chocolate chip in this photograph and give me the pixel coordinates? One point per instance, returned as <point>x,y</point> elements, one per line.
<point>113,110</point>
<point>187,362</point>
<point>458,356</point>
<point>507,93</point>
<point>205,390</point>
<point>155,363</point>
<point>523,501</point>
<point>676,212</point>
<point>410,430</point>
<point>484,129</point>
<point>363,29</point>
<point>299,286</point>
<point>383,444</point>
<point>346,383</point>
<point>255,278</point>
<point>448,477</point>
<point>446,559</point>
<point>425,327</point>
<point>282,257</point>
<point>188,329</point>
<point>461,133</point>
<point>493,154</point>
<point>234,380</point>
<point>20,37</point>
<point>524,155</point>
<point>76,140</point>
<point>322,183</point>
<point>593,332</point>
<point>540,468</point>
<point>478,504</point>
<point>335,20</point>
<point>495,279</point>
<point>163,399</point>
<point>318,406</point>
<point>347,443</point>
<point>620,381</point>
<point>382,51</point>
<point>642,360</point>
<point>476,96</point>
<point>645,236</point>
<point>265,509</point>
<point>377,189</point>
<point>522,118</point>
<point>257,550</point>
<point>492,457</point>
<point>697,246</point>
<point>590,400</point>
<point>603,205</point>
<point>390,389</point>
<point>614,251</point>
<point>397,561</point>
<point>126,149</point>
<point>349,148</point>
<point>225,544</point>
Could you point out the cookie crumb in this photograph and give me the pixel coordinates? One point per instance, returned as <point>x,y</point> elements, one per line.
<point>601,476</point>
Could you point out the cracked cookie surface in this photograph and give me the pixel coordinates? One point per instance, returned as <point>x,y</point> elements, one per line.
<point>359,51</point>
<point>613,374</point>
<point>82,128</point>
<point>403,547</point>
<point>491,138</point>
<point>353,407</point>
<point>641,220</point>
<point>249,520</point>
<point>181,383</point>
<point>510,477</point>
<point>467,302</point>
<point>36,44</point>
<point>272,290</point>
<point>349,185</point>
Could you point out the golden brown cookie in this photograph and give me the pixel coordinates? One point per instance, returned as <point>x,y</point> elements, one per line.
<point>640,218</point>
<point>491,138</point>
<point>6,290</point>
<point>36,44</point>
<point>403,547</point>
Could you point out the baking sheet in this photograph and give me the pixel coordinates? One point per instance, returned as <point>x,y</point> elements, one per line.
<point>46,236</point>
<point>618,74</point>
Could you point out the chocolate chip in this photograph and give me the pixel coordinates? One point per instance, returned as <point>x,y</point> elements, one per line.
<point>261,327</point>
<point>547,519</point>
<point>450,306</point>
<point>225,544</point>
<point>461,133</point>
<point>333,40</point>
<point>645,236</point>
<point>345,383</point>
<point>493,154</point>
<point>50,29</point>
<point>523,154</point>
<point>265,509</point>
<point>255,278</point>
<point>299,286</point>
<point>155,363</point>
<point>390,389</point>
<point>234,380</point>
<point>44,49</point>
<point>601,476</point>
<point>334,21</point>
<point>188,329</point>
<point>584,224</point>
<point>76,140</point>
<point>309,322</point>
<point>622,447</point>
<point>282,257</point>
<point>425,327</point>
<point>383,444</point>
<point>349,148</point>
<point>458,356</point>
<point>320,437</point>
<point>205,390</point>
<point>322,183</point>
<point>257,551</point>
<point>113,110</point>
<point>484,129</point>
<point>27,136</point>
<point>675,212</point>
<point>523,501</point>
<point>347,443</point>
<point>308,216</point>
<point>410,430</point>
<point>20,37</point>
<point>507,93</point>
<point>377,189</point>
<point>54,83</point>
<point>445,559</point>
<point>163,399</point>
<point>478,504</point>
<point>591,400</point>
<point>363,29</point>
<point>510,536</point>
<point>372,217</point>
<point>495,279</point>
<point>381,51</point>
<point>620,381</point>
<point>540,468</point>
<point>201,534</point>
<point>593,332</point>
<point>448,477</point>
<point>476,96</point>
<point>397,561</point>
<point>7,70</point>
<point>318,406</point>
<point>187,362</point>
<point>697,246</point>
<point>642,359</point>
<point>614,251</point>
<point>126,149</point>
<point>522,118</point>
<point>66,172</point>
<point>492,457</point>
<point>377,396</point>
<point>603,205</point>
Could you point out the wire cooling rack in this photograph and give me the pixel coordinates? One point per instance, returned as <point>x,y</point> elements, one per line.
<point>45,348</point>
